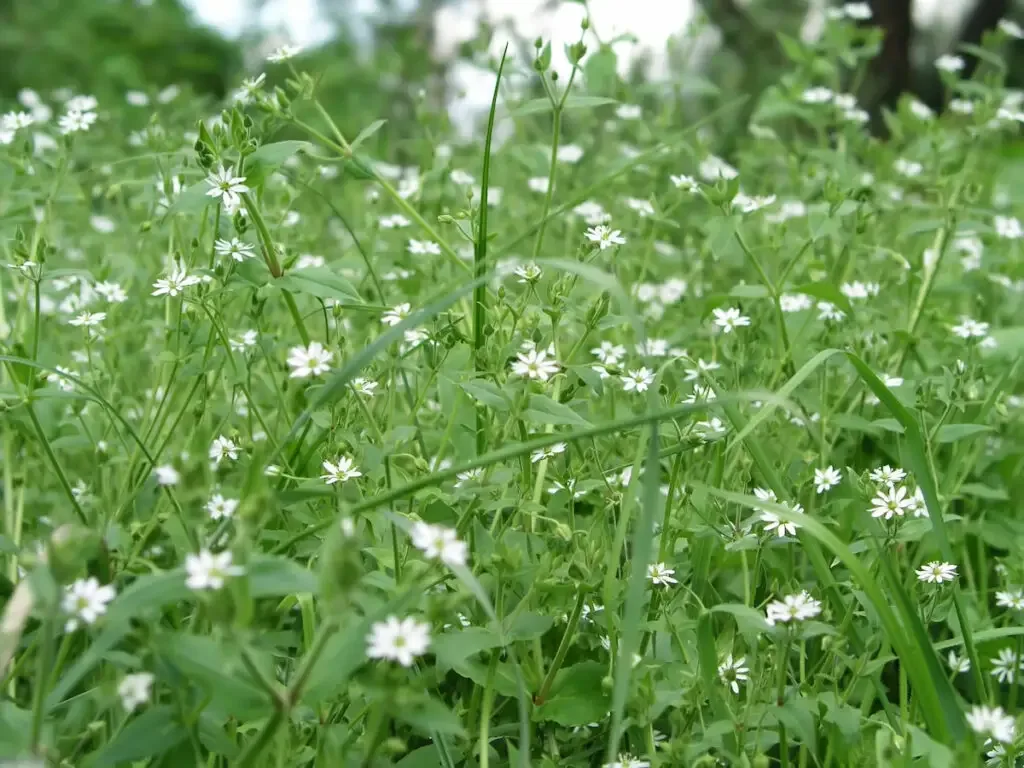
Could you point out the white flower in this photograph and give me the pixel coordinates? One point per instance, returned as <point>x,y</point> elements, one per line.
<point>396,314</point>
<point>858,290</point>
<point>917,506</point>
<point>220,508</point>
<point>729,319</point>
<point>88,319</point>
<point>887,475</point>
<point>1008,227</point>
<point>703,366</point>
<point>394,221</point>
<point>857,11</point>
<point>628,111</point>
<point>365,387</point>
<point>713,168</point>
<point>936,572</point>
<point>439,543</point>
<point>534,364</point>
<point>85,601</point>
<point>12,121</point>
<point>660,575</point>
<point>225,185</point>
<point>538,184</point>
<point>685,183</point>
<point>638,380</point>
<point>134,690</point>
<point>732,672</point>
<point>103,224</point>
<point>569,153</point>
<point>176,282</point>
<point>890,503</point>
<point>167,475</point>
<point>748,204</point>
<point>339,471</point>
<point>1011,28</point>
<point>642,207</point>
<point>460,177</point>
<point>950,63</point>
<point>958,664</point>
<point>794,302</point>
<point>209,571</point>
<point>817,95</point>
<point>469,476</point>
<point>238,250</point>
<point>400,640</point>
<point>423,248</point>
<point>961,106</point>
<point>283,53</point>
<point>920,110</point>
<point>969,328</point>
<point>827,478</point>
<point>547,453</point>
<point>608,353</point>
<point>774,523</point>
<point>1006,665</point>
<point>75,120</point>
<point>604,236</point>
<point>1012,598</point>
<point>309,361</point>
<point>792,608</point>
<point>111,291</point>
<point>830,312</point>
<point>244,341</point>
<point>626,760</point>
<point>528,274</point>
<point>223,448</point>
<point>592,213</point>
<point>992,721</point>
<point>908,168</point>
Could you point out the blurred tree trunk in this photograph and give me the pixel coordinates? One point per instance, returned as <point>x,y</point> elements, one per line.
<point>890,71</point>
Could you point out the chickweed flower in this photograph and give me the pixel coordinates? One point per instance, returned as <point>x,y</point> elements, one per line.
<point>887,475</point>
<point>235,249</point>
<point>175,283</point>
<point>773,523</point>
<point>283,53</point>
<point>534,364</point>
<point>792,609</point>
<point>890,503</point>
<point>85,601</point>
<point>134,690</point>
<point>225,185</point>
<point>936,572</point>
<point>729,319</point>
<point>340,471</point>
<point>223,448</point>
<point>992,722</point>
<point>439,543</point>
<point>220,508</point>
<point>312,360</point>
<point>826,478</point>
<point>732,672</point>
<point>638,380</point>
<point>661,575</point>
<point>209,571</point>
<point>401,640</point>
<point>605,236</point>
<point>396,314</point>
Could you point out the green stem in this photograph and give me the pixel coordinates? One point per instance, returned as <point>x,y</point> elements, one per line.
<point>293,310</point>
<point>55,464</point>
<point>563,648</point>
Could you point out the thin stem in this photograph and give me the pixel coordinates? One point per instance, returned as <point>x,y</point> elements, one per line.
<point>563,648</point>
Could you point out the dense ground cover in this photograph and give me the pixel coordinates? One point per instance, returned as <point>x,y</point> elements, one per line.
<point>604,446</point>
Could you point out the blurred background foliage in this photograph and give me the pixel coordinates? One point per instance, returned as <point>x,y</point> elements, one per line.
<point>106,47</point>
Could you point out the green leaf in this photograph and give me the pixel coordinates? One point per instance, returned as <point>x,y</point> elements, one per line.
<point>15,730</point>
<point>543,410</point>
<point>367,132</point>
<point>215,668</point>
<point>950,433</point>
<point>265,160</point>
<point>487,393</point>
<point>452,648</point>
<point>428,715</point>
<point>600,71</point>
<point>577,696</point>
<point>191,200</point>
<point>748,620</point>
<point>149,593</point>
<point>154,732</point>
<point>320,282</point>
<point>271,576</point>
<point>527,626</point>
<point>538,106</point>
